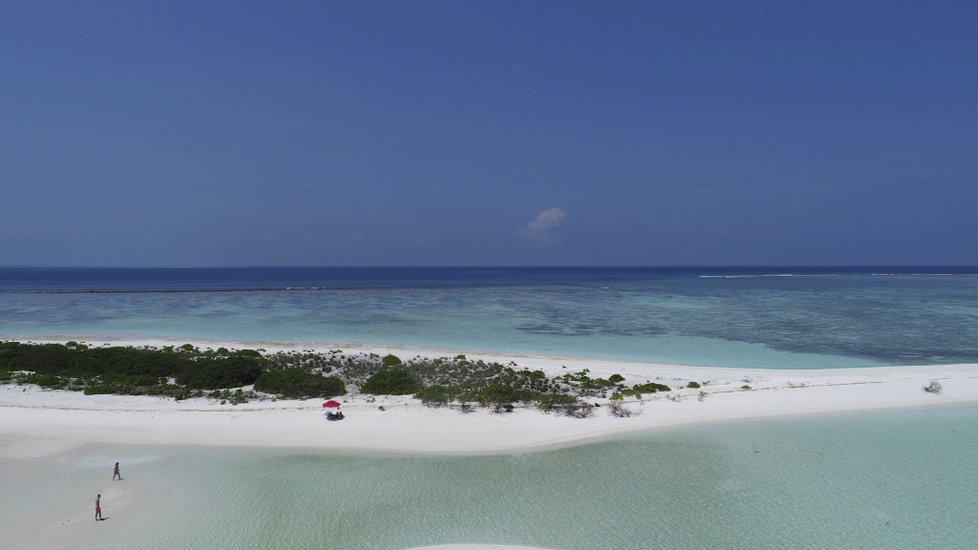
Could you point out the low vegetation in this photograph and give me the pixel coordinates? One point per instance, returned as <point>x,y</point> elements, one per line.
<point>235,376</point>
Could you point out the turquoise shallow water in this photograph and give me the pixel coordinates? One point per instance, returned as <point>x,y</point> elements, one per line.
<point>815,318</point>
<point>884,480</point>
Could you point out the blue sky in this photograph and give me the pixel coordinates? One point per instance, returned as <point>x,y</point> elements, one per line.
<point>488,133</point>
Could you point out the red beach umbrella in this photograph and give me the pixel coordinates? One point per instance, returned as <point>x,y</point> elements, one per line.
<point>331,404</point>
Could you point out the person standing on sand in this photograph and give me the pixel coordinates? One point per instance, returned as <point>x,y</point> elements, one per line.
<point>98,507</point>
<point>116,474</point>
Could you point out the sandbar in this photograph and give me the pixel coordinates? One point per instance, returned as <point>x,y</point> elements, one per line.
<point>37,422</point>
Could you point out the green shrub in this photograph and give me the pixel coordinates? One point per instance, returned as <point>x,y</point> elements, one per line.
<point>502,394</point>
<point>390,360</point>
<point>298,384</point>
<point>616,378</point>
<point>551,401</point>
<point>98,390</point>
<point>392,381</point>
<point>650,387</point>
<point>48,381</point>
<point>231,372</point>
<point>693,385</point>
<point>238,397</point>
<point>120,362</point>
<point>532,375</point>
<point>437,395</point>
<point>578,409</point>
<point>467,395</point>
<point>39,358</point>
<point>141,380</point>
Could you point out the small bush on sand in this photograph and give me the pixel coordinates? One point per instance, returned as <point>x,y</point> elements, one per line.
<point>618,408</point>
<point>650,387</point>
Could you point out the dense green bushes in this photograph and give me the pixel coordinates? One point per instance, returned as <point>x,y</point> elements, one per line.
<point>41,358</point>
<point>231,372</point>
<point>119,362</point>
<point>296,383</point>
<point>129,370</point>
<point>392,381</point>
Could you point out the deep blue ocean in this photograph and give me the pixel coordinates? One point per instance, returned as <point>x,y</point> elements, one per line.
<point>767,317</point>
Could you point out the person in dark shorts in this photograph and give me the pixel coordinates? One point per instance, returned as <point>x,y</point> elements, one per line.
<point>115,473</point>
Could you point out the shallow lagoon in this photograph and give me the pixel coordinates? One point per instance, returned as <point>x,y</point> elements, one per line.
<point>817,318</point>
<point>881,480</point>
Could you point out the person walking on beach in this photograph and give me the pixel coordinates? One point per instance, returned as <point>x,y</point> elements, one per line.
<point>115,473</point>
<point>98,507</point>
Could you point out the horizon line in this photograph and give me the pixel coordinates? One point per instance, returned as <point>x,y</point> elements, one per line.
<point>476,266</point>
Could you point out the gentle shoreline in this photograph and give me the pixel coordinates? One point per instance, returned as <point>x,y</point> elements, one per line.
<point>36,422</point>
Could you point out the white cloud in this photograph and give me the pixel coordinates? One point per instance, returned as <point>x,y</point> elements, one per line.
<point>542,228</point>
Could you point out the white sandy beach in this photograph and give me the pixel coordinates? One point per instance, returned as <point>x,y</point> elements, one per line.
<point>37,424</point>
